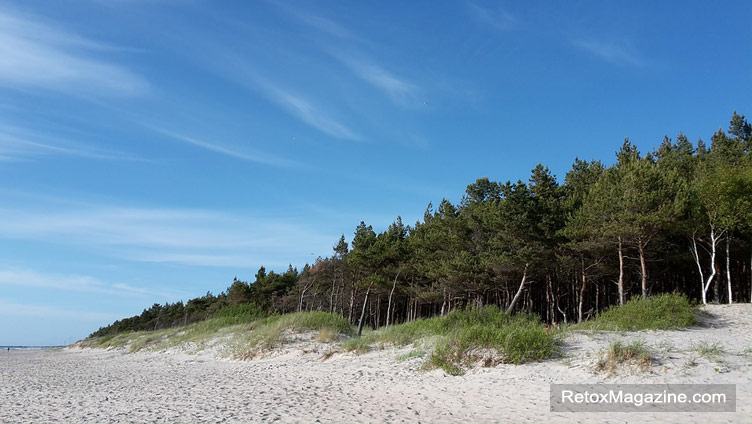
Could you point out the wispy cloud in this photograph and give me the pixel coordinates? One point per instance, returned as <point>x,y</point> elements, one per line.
<point>19,143</point>
<point>239,70</point>
<point>398,89</point>
<point>258,158</point>
<point>185,236</point>
<point>325,25</point>
<point>617,54</point>
<point>497,17</point>
<point>305,110</point>
<point>76,283</point>
<point>39,55</point>
<point>8,309</point>
<point>317,22</point>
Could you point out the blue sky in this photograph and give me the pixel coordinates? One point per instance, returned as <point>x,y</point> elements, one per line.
<point>150,151</point>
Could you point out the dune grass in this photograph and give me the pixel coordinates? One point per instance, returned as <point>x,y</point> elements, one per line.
<point>710,350</point>
<point>247,325</point>
<point>663,312</point>
<point>415,353</point>
<point>619,353</point>
<point>270,332</point>
<point>452,342</point>
<point>197,333</point>
<point>463,337</point>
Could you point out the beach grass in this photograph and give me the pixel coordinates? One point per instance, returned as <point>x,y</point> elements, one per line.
<point>709,350</point>
<point>271,332</point>
<point>668,311</point>
<point>620,353</point>
<point>413,354</point>
<point>464,337</point>
<point>249,329</point>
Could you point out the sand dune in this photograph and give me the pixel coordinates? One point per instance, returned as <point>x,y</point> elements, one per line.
<point>99,386</point>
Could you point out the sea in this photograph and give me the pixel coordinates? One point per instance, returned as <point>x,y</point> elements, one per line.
<point>5,348</point>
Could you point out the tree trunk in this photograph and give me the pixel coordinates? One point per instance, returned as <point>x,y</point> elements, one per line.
<point>643,268</point>
<point>391,293</point>
<point>303,292</point>
<point>331,295</point>
<point>563,313</point>
<point>582,289</point>
<point>363,312</point>
<point>696,255</point>
<point>549,301</point>
<point>728,267</point>
<point>597,293</point>
<point>352,305</point>
<point>717,284</point>
<point>620,283</point>
<point>706,286</point>
<point>519,292</point>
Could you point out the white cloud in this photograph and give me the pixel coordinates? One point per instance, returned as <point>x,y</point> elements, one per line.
<point>497,18</point>
<point>75,283</point>
<point>325,25</point>
<point>16,143</point>
<point>258,158</point>
<point>38,55</point>
<point>399,90</point>
<point>617,54</point>
<point>191,237</point>
<point>237,68</point>
<point>8,309</point>
<point>305,110</point>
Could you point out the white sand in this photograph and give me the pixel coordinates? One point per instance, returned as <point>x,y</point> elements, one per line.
<point>97,386</point>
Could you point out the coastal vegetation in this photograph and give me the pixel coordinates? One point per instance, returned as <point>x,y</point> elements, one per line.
<point>666,311</point>
<point>619,354</point>
<point>626,246</point>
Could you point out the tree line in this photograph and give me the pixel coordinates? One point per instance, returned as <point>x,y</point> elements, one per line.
<point>676,219</point>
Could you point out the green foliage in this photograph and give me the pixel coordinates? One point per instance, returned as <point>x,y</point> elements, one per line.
<point>165,316</point>
<point>662,312</point>
<point>314,320</point>
<point>516,339</point>
<point>634,220</point>
<point>358,345</point>
<point>238,314</point>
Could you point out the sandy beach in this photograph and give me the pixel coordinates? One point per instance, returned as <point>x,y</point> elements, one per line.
<point>304,385</point>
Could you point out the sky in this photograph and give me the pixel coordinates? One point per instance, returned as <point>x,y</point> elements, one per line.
<point>151,151</point>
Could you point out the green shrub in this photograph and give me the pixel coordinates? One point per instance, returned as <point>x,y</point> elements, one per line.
<point>314,320</point>
<point>516,339</point>
<point>358,345</point>
<point>662,312</point>
<point>238,314</point>
<point>461,333</point>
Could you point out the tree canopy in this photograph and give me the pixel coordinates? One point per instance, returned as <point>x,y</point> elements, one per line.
<point>678,218</point>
